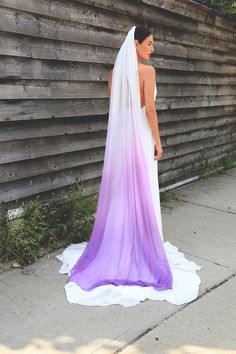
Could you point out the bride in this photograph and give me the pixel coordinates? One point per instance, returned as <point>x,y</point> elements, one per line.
<point>126,259</point>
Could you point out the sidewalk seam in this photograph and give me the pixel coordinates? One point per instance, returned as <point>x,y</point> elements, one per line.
<point>209,207</point>
<point>204,259</point>
<point>174,313</point>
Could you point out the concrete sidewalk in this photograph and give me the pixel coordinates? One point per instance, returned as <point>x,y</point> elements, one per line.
<point>35,317</point>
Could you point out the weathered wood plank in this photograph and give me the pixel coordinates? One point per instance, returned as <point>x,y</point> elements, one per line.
<point>181,50</point>
<point>44,109</point>
<point>164,117</point>
<point>83,13</point>
<point>67,89</point>
<point>43,48</point>
<point>55,58</point>
<point>160,16</point>
<point>25,169</point>
<point>28,24</point>
<point>23,91</point>
<point>45,128</point>
<point>181,127</point>
<point>48,109</point>
<point>191,65</point>
<point>179,90</point>
<point>176,115</point>
<point>196,135</point>
<point>71,126</point>
<point>195,11</point>
<point>191,102</point>
<point>81,52</point>
<point>176,77</point>
<point>39,184</point>
<point>45,183</point>
<point>187,171</point>
<point>47,49</point>
<point>16,68</point>
<point>33,148</point>
<point>53,90</point>
<point>171,151</point>
<point>20,150</point>
<point>189,158</point>
<point>90,186</point>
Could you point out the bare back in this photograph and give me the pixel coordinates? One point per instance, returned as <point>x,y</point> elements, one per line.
<point>145,73</point>
<point>142,75</point>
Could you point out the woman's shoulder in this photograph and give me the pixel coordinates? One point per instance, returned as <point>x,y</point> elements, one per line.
<point>147,71</point>
<point>144,68</point>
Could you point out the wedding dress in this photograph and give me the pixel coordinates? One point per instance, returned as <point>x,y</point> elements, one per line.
<point>126,259</point>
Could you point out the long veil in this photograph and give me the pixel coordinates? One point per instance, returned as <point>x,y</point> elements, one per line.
<point>125,260</point>
<point>125,245</point>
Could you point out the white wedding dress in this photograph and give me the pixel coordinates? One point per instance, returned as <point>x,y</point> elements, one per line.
<point>185,280</point>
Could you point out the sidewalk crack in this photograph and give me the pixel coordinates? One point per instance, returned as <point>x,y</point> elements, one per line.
<point>204,259</point>
<point>209,207</point>
<point>174,313</point>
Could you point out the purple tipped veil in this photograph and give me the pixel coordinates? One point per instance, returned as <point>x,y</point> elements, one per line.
<point>125,260</point>
<point>125,246</point>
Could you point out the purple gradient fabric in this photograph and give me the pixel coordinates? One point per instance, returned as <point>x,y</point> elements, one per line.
<point>125,246</point>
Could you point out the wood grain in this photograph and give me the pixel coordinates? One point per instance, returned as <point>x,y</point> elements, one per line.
<point>54,105</point>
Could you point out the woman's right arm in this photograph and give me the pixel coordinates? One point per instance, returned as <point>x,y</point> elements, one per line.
<point>150,109</point>
<point>110,81</point>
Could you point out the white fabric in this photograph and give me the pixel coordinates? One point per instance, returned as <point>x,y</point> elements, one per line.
<point>129,120</point>
<point>185,278</point>
<point>185,282</point>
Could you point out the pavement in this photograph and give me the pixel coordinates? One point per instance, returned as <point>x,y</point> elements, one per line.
<point>35,317</point>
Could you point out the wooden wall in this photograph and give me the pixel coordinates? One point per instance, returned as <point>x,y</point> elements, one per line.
<point>54,60</point>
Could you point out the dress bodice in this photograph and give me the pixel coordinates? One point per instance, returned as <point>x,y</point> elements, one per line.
<point>155,92</point>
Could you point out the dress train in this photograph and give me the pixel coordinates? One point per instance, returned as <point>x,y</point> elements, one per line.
<point>185,280</point>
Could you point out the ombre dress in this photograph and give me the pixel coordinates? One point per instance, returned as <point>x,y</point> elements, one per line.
<point>126,259</point>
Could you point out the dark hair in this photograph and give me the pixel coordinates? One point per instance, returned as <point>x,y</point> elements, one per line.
<point>141,33</point>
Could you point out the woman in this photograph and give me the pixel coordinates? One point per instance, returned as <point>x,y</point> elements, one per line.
<point>126,260</point>
<point>147,81</point>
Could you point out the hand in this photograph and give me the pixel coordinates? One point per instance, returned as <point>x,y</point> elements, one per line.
<point>158,152</point>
